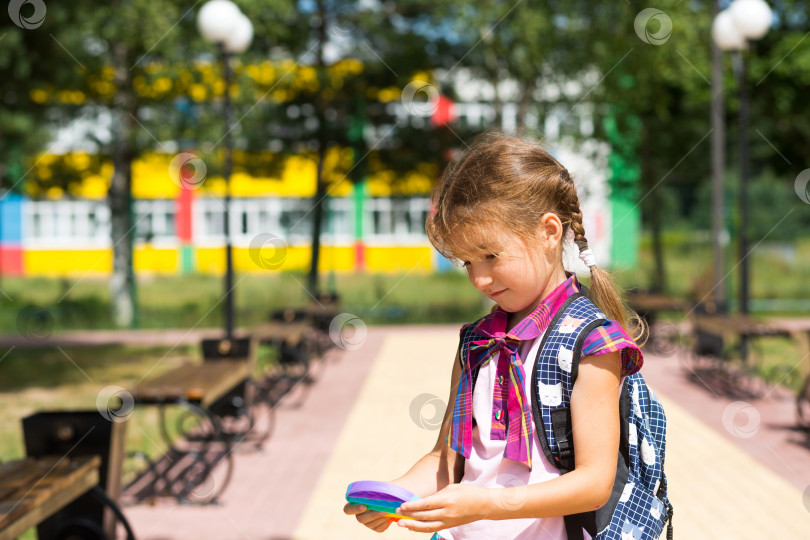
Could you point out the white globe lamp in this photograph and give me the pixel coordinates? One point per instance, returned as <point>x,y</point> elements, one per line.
<point>725,33</point>
<point>217,19</point>
<point>752,18</point>
<point>241,36</point>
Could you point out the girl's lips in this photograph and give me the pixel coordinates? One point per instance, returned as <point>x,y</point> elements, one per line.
<point>497,293</point>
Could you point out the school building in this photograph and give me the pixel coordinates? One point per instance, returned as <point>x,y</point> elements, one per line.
<point>368,226</point>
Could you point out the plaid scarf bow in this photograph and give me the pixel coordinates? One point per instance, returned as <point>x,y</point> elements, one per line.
<point>513,424</point>
<point>491,337</point>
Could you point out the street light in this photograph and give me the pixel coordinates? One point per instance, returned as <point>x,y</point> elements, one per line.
<point>221,22</point>
<point>734,28</point>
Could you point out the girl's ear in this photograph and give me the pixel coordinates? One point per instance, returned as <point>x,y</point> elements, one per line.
<point>551,231</point>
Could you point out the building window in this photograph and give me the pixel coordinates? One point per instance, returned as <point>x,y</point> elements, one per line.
<point>395,221</point>
<point>66,223</point>
<point>295,219</point>
<point>155,220</point>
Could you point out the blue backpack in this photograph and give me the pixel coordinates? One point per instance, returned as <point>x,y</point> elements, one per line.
<point>638,507</point>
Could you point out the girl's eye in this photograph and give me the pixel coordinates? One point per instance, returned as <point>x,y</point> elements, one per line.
<point>465,263</point>
<point>492,256</point>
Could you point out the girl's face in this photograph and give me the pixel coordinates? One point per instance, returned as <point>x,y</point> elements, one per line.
<point>517,274</point>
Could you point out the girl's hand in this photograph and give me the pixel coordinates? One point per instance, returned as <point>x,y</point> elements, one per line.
<point>454,505</point>
<point>374,520</point>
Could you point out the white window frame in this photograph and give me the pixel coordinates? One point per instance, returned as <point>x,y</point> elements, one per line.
<point>397,229</point>
<point>66,224</point>
<point>158,211</point>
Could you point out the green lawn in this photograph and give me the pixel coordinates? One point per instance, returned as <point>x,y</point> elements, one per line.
<point>195,300</point>
<point>779,273</point>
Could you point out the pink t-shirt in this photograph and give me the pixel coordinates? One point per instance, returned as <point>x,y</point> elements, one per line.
<point>487,467</point>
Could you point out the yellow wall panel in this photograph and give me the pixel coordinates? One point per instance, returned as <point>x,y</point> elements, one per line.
<point>398,259</point>
<point>212,260</point>
<point>161,261</point>
<point>337,258</point>
<point>60,262</point>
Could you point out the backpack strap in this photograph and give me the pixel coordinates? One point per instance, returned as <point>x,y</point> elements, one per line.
<point>561,424</point>
<point>561,416</point>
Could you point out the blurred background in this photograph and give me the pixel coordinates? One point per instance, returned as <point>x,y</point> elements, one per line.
<point>164,168</point>
<point>342,114</point>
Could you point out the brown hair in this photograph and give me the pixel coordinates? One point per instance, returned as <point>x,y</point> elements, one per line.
<point>509,176</point>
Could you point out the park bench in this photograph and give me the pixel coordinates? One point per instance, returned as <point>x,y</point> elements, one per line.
<point>719,351</point>
<point>318,314</point>
<point>202,384</point>
<point>218,411</point>
<point>714,331</point>
<point>799,330</point>
<point>298,335</point>
<point>69,484</point>
<point>32,490</point>
<point>324,307</point>
<point>294,339</point>
<point>649,304</point>
<point>665,338</point>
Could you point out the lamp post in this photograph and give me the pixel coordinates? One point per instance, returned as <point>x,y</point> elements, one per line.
<point>221,22</point>
<point>733,29</point>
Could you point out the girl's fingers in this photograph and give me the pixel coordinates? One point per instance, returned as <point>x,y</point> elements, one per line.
<point>372,519</point>
<point>421,526</point>
<point>352,509</point>
<point>422,510</point>
<point>382,527</point>
<point>419,505</point>
<point>421,515</point>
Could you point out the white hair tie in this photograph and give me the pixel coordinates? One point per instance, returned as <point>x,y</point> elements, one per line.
<point>587,257</point>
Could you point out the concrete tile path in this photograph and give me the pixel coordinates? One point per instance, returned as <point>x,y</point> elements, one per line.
<point>735,468</point>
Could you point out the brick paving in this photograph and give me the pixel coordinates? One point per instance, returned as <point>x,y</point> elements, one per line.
<point>731,475</point>
<point>270,488</point>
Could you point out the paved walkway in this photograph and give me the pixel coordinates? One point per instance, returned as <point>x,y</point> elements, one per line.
<point>735,469</point>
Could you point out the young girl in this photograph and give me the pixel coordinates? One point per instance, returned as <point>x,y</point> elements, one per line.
<point>504,209</point>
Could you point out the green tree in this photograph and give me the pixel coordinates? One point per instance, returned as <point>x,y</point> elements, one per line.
<point>88,59</point>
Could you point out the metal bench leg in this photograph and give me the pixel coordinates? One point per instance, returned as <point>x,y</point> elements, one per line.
<point>205,450</point>
<point>101,496</point>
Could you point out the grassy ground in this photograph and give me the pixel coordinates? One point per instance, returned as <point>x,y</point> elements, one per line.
<point>779,271</point>
<point>196,300</point>
<point>779,274</point>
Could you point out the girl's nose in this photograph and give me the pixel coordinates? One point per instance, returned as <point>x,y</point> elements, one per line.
<point>480,280</point>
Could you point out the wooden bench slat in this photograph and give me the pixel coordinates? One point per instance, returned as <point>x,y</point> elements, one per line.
<point>656,302</point>
<point>29,473</point>
<point>215,383</point>
<point>290,333</point>
<point>738,325</point>
<point>39,475</point>
<point>205,382</point>
<point>14,474</point>
<point>32,488</point>
<point>51,484</point>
